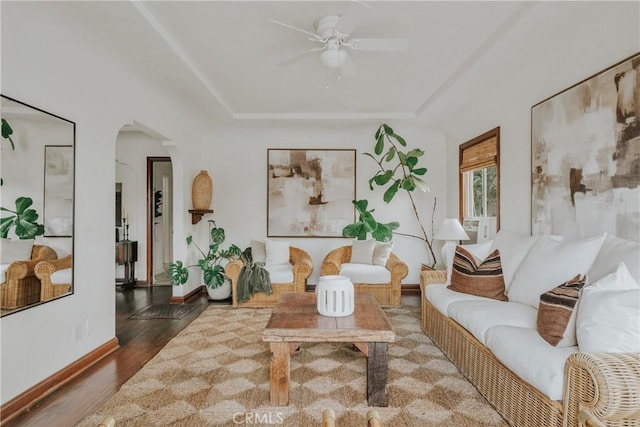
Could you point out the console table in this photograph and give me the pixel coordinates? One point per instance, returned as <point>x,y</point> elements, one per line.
<point>127,255</point>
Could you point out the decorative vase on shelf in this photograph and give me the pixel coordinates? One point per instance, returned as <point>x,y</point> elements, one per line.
<point>335,296</point>
<point>202,191</point>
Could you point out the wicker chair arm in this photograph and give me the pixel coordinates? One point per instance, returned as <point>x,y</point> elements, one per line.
<point>606,386</point>
<point>51,266</point>
<point>301,261</point>
<point>20,269</point>
<point>334,260</point>
<point>397,267</point>
<point>588,420</point>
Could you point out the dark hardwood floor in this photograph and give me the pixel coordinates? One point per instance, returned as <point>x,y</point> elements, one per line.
<point>139,341</point>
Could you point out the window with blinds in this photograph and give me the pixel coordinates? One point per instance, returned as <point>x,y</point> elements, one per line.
<point>480,177</point>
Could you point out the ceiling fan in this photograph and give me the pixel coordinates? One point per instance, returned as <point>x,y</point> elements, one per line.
<point>333,33</point>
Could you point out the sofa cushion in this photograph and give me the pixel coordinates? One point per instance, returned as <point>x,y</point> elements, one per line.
<point>279,273</point>
<point>613,251</point>
<point>277,252</point>
<point>557,313</point>
<point>62,276</point>
<point>440,296</point>
<point>363,273</point>
<point>513,247</point>
<point>550,262</point>
<point>482,279</point>
<point>479,250</point>
<point>12,250</point>
<point>478,317</point>
<point>524,352</point>
<point>608,318</point>
<point>382,252</point>
<point>362,251</point>
<point>3,272</point>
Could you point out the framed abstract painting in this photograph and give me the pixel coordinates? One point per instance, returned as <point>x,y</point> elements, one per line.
<point>585,156</point>
<point>310,192</point>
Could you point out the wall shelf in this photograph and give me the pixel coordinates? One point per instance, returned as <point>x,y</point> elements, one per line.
<point>197,214</point>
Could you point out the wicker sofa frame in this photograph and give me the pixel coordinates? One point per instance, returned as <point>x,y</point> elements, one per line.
<point>44,270</point>
<point>302,268</point>
<point>21,286</point>
<point>601,388</point>
<point>387,294</point>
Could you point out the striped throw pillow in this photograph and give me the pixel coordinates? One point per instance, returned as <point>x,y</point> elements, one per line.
<point>484,279</point>
<point>556,314</point>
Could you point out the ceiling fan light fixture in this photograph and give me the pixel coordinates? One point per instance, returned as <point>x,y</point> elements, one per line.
<point>333,58</point>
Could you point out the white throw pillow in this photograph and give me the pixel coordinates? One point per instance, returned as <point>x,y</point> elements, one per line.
<point>362,251</point>
<point>382,252</point>
<point>258,251</point>
<point>513,248</point>
<point>549,263</point>
<point>479,250</point>
<point>608,318</point>
<point>277,252</point>
<point>615,250</point>
<point>15,250</point>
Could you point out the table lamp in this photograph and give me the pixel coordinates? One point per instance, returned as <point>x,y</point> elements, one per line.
<point>451,232</point>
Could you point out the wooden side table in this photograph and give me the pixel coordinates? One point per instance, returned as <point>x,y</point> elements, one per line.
<point>127,255</point>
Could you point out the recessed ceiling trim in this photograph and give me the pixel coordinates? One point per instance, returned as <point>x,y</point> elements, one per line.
<point>180,53</point>
<point>485,47</point>
<point>323,116</point>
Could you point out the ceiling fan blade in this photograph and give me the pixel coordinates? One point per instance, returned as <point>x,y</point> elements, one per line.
<point>351,17</point>
<point>387,45</point>
<point>291,27</point>
<point>299,57</point>
<point>348,70</point>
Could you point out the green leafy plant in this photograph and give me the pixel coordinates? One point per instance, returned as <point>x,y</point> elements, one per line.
<point>7,132</point>
<point>23,218</point>
<point>367,224</point>
<point>400,170</point>
<point>211,261</point>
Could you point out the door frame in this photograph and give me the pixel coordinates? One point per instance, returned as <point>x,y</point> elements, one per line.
<point>150,210</point>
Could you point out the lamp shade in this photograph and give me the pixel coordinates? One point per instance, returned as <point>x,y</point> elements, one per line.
<point>451,229</point>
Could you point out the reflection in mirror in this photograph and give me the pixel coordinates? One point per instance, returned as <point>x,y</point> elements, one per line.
<point>36,222</point>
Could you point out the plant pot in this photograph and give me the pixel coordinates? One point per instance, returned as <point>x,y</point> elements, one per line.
<point>221,292</point>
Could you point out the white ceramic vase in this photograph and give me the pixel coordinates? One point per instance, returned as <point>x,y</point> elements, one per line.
<point>335,296</point>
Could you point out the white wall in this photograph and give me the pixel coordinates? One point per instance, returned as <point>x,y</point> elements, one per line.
<point>239,172</point>
<point>501,88</point>
<point>45,64</point>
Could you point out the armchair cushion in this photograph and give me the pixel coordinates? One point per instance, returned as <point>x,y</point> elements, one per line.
<point>280,273</point>
<point>277,252</point>
<point>61,276</point>
<point>15,250</point>
<point>382,252</point>
<point>258,251</point>
<point>363,273</point>
<point>362,251</point>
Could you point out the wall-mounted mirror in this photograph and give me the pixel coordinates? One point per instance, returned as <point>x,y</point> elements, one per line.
<point>37,164</point>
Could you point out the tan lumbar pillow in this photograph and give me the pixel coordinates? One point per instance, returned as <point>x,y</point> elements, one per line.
<point>556,321</point>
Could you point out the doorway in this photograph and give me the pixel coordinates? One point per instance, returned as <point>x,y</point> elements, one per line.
<point>159,220</point>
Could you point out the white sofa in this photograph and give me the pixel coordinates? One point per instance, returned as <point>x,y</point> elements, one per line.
<point>496,344</point>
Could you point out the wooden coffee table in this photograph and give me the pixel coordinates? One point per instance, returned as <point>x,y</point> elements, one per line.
<point>296,320</point>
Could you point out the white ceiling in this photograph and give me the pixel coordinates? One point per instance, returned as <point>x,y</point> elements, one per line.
<point>221,57</point>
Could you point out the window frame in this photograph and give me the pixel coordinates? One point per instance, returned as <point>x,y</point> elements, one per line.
<point>492,159</point>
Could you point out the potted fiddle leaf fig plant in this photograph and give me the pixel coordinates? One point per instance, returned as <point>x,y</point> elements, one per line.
<point>366,225</point>
<point>210,262</point>
<point>399,170</point>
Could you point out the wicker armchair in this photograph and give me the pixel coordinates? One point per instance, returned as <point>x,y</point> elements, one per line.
<point>51,288</point>
<point>387,294</point>
<point>302,268</point>
<point>21,286</point>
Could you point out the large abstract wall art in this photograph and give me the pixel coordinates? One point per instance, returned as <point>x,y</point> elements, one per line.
<point>310,192</point>
<point>585,157</point>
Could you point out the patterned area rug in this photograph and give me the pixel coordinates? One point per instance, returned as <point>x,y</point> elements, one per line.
<point>216,373</point>
<point>164,311</point>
